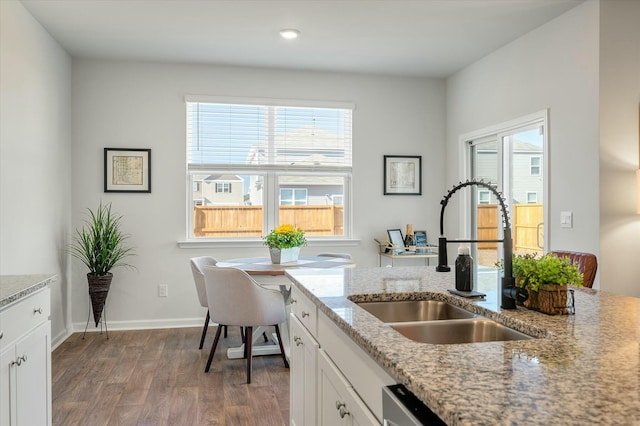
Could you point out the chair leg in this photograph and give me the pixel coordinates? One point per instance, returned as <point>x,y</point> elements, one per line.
<point>213,348</point>
<point>247,351</point>
<point>284,358</point>
<point>242,333</point>
<point>204,330</point>
<point>225,331</point>
<point>264,336</point>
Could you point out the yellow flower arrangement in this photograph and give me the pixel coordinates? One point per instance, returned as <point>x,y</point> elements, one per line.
<point>285,236</point>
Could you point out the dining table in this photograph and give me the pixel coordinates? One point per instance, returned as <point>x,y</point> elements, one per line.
<point>271,275</point>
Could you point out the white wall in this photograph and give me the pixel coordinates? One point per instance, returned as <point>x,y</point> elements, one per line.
<point>140,105</point>
<point>35,153</point>
<point>554,67</point>
<point>619,144</point>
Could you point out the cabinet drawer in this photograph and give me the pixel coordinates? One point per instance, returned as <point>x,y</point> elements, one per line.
<point>24,315</point>
<point>304,309</point>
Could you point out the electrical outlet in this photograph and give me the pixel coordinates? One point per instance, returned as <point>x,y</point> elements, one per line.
<point>163,290</point>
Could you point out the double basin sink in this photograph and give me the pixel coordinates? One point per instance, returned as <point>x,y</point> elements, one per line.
<point>438,322</point>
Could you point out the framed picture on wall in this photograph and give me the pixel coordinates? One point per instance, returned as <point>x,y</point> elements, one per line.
<point>402,175</point>
<point>127,170</point>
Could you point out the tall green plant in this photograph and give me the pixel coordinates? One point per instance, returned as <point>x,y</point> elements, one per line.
<point>100,244</point>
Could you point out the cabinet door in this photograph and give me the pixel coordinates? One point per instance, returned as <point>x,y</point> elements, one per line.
<point>331,391</point>
<point>339,404</point>
<point>33,377</point>
<point>359,413</point>
<point>304,350</point>
<point>7,386</point>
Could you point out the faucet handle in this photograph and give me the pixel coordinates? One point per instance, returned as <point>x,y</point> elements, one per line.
<point>516,293</point>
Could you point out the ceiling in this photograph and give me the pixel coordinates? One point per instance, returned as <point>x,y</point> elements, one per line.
<point>433,38</point>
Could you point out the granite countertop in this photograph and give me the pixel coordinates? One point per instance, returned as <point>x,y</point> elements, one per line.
<point>582,368</point>
<point>15,287</point>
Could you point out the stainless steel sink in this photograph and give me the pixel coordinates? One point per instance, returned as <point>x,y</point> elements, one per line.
<point>414,310</point>
<point>445,332</point>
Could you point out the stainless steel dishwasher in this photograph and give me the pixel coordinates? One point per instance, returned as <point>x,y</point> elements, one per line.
<point>402,408</point>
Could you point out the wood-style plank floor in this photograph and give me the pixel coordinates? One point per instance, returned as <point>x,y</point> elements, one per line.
<point>156,377</point>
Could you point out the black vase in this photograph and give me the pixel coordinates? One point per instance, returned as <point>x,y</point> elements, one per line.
<point>98,291</point>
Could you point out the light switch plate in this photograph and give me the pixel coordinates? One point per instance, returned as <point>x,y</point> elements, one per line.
<point>566,219</point>
<point>163,290</point>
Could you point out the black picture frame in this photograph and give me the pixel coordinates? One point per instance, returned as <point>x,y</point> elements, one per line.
<point>395,238</point>
<point>402,174</point>
<point>127,170</point>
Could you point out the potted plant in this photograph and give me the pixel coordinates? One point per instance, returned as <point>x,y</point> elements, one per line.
<point>101,246</point>
<point>546,278</point>
<point>284,243</point>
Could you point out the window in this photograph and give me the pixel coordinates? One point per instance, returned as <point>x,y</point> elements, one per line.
<point>223,187</point>
<point>484,196</point>
<point>532,197</point>
<point>263,163</point>
<point>535,166</point>
<point>293,196</point>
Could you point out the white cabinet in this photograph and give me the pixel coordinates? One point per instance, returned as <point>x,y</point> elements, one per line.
<point>332,380</point>
<point>25,362</point>
<point>304,352</point>
<point>338,403</point>
<point>304,310</point>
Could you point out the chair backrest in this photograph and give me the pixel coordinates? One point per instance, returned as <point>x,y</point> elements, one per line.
<point>197,265</point>
<point>237,299</point>
<point>342,255</point>
<point>587,264</point>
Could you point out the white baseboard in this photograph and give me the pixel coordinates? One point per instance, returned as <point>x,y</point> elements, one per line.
<point>78,327</point>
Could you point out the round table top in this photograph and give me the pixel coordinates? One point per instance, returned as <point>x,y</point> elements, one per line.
<point>263,265</point>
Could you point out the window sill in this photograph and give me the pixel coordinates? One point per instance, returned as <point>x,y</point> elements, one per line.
<point>205,243</point>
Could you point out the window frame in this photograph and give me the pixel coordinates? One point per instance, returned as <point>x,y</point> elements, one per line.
<point>484,192</point>
<point>306,196</point>
<point>537,166</point>
<point>224,186</point>
<point>270,174</point>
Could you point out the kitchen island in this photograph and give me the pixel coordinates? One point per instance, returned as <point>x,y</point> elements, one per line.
<point>580,369</point>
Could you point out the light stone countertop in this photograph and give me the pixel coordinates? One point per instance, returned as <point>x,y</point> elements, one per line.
<point>583,368</point>
<point>15,287</point>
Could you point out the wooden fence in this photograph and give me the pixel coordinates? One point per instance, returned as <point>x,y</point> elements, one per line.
<point>526,225</point>
<point>246,221</point>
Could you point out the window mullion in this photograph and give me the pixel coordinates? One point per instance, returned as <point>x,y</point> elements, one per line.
<point>270,202</point>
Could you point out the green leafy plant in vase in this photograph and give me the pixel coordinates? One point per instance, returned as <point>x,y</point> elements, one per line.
<point>284,243</point>
<point>102,246</point>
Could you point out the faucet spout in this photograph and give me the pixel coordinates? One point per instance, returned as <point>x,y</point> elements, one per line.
<point>509,292</point>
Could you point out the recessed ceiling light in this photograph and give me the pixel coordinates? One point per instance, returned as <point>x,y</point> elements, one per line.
<point>289,33</point>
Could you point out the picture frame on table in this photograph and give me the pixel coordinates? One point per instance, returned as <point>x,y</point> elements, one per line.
<point>402,175</point>
<point>420,238</point>
<point>396,239</point>
<point>127,170</point>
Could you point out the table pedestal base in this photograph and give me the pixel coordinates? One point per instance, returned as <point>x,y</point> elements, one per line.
<point>269,349</point>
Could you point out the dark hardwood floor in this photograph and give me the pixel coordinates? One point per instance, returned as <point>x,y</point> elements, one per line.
<point>156,377</point>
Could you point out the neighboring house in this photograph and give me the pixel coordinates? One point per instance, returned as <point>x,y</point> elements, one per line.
<point>527,173</point>
<point>211,190</point>
<point>297,189</point>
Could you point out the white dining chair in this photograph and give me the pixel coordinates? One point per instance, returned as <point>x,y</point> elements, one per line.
<point>197,265</point>
<point>237,299</point>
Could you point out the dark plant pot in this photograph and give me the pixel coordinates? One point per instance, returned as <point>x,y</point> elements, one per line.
<point>98,290</point>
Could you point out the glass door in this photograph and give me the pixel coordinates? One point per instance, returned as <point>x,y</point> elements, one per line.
<point>512,162</point>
